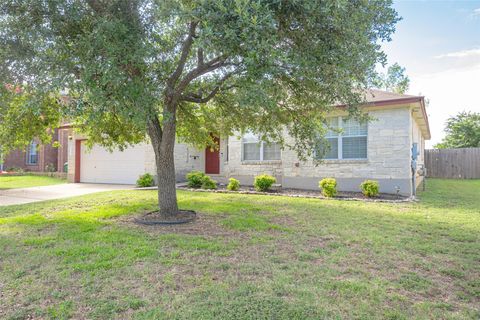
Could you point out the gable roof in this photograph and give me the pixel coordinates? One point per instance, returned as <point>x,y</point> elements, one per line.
<point>384,98</point>
<point>378,96</point>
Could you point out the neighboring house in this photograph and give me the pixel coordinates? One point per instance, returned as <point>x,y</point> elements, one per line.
<point>37,157</point>
<point>380,150</point>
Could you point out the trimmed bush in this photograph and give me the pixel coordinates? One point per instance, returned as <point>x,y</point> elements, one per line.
<point>263,182</point>
<point>208,183</point>
<point>145,180</point>
<point>233,184</point>
<point>329,187</point>
<point>195,179</point>
<point>50,167</point>
<point>370,188</point>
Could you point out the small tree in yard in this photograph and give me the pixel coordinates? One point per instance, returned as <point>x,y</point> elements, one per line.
<point>462,131</point>
<point>185,69</point>
<point>394,80</point>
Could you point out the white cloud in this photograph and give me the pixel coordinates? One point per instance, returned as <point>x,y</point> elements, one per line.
<point>476,12</point>
<point>462,53</point>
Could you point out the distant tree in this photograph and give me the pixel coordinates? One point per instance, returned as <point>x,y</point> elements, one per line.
<point>394,80</point>
<point>182,69</point>
<point>462,131</point>
<point>25,115</point>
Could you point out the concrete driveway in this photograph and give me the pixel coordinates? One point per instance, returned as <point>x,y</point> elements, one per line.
<point>58,191</point>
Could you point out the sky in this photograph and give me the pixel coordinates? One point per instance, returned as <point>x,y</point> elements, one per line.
<point>438,42</point>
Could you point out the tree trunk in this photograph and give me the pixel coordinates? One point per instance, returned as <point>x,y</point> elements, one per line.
<point>163,143</point>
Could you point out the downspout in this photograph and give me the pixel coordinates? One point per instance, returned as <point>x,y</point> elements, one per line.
<point>414,153</point>
<point>414,168</point>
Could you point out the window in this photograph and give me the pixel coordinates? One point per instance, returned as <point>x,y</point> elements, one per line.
<point>254,149</point>
<point>251,147</point>
<point>349,143</point>
<point>32,154</point>
<point>332,139</point>
<point>354,139</point>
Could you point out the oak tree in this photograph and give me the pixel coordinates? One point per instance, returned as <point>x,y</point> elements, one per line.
<point>180,70</point>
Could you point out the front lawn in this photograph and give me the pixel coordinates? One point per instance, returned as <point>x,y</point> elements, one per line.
<point>27,181</point>
<point>247,257</point>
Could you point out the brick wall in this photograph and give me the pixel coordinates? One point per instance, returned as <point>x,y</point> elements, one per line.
<point>62,149</point>
<point>47,154</point>
<point>18,159</point>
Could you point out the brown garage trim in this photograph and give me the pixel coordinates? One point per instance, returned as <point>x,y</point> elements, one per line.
<point>78,158</point>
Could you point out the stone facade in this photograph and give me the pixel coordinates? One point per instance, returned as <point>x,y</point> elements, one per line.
<point>388,159</point>
<point>245,171</point>
<point>187,158</point>
<point>389,141</point>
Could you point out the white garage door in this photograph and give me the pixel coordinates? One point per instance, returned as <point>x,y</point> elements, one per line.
<point>98,165</point>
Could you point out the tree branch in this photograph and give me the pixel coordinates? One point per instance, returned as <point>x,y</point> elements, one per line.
<point>207,67</point>
<point>197,98</point>
<point>183,57</point>
<point>154,129</point>
<point>200,60</point>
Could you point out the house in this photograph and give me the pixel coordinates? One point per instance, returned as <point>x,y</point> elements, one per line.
<point>39,158</point>
<point>380,149</point>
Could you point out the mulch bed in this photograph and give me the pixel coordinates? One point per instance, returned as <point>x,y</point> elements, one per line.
<point>300,193</point>
<point>154,218</point>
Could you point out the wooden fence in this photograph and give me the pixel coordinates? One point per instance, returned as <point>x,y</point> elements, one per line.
<point>453,163</point>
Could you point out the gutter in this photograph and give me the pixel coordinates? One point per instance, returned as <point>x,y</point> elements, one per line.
<point>390,102</point>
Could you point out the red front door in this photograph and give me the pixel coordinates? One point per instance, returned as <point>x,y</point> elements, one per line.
<point>212,159</point>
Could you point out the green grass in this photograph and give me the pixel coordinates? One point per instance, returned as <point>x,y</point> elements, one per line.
<point>247,257</point>
<point>27,181</point>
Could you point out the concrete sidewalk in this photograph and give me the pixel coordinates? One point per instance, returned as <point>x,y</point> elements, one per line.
<point>58,191</point>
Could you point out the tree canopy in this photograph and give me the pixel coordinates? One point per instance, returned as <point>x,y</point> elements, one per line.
<point>24,116</point>
<point>187,69</point>
<point>119,59</point>
<point>462,131</point>
<point>394,80</point>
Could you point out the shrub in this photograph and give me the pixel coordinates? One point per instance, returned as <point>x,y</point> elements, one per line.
<point>50,167</point>
<point>209,183</point>
<point>195,179</point>
<point>233,184</point>
<point>328,186</point>
<point>145,180</point>
<point>370,188</point>
<point>263,182</point>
